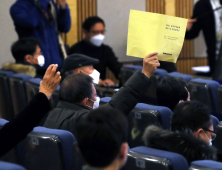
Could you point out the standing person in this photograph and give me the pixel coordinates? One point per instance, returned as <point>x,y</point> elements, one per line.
<point>42,19</point>
<point>210,23</point>
<point>92,46</point>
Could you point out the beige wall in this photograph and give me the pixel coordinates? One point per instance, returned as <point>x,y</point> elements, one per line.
<point>7,32</point>
<point>116,16</point>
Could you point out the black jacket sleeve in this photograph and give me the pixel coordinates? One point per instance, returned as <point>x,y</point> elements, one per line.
<point>128,96</point>
<point>16,130</point>
<point>199,9</point>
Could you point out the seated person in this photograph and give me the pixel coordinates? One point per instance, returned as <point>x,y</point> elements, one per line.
<point>80,63</point>
<point>191,133</point>
<point>28,58</point>
<point>92,46</point>
<point>16,129</point>
<point>77,96</point>
<point>102,139</point>
<point>171,91</point>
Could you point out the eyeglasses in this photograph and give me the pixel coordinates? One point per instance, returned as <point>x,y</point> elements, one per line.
<point>98,32</point>
<point>213,134</point>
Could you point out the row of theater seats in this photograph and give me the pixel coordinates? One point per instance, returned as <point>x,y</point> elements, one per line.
<point>208,92</point>
<point>46,149</point>
<point>16,91</point>
<point>144,115</point>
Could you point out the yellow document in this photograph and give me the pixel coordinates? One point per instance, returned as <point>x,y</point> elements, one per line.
<point>150,32</point>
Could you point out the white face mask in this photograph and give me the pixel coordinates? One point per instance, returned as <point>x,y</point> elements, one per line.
<point>210,140</point>
<point>97,40</point>
<point>41,60</point>
<point>95,103</point>
<point>95,75</point>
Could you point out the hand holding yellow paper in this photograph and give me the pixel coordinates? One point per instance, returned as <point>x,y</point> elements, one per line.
<point>149,32</point>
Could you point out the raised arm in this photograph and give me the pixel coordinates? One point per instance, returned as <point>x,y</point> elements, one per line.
<point>16,130</point>
<point>128,96</point>
<point>63,16</point>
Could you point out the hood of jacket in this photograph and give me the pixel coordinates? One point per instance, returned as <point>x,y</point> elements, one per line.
<point>20,68</point>
<point>185,144</point>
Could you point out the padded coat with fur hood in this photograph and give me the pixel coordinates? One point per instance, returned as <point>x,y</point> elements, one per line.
<point>185,144</point>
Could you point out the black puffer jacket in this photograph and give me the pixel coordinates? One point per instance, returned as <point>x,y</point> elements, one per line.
<point>185,144</point>
<point>66,115</point>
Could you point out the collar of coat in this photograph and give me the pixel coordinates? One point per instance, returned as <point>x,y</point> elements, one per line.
<point>72,106</point>
<point>24,68</point>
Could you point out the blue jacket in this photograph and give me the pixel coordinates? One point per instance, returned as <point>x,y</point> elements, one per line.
<point>30,22</point>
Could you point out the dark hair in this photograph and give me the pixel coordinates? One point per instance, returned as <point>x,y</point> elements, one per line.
<point>170,91</point>
<point>101,135</point>
<point>190,116</point>
<point>75,88</point>
<point>23,47</point>
<point>90,22</point>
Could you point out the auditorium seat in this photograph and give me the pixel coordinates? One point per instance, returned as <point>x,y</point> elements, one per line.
<point>127,71</point>
<point>215,123</point>
<point>219,98</point>
<point>46,149</point>
<point>10,166</point>
<point>186,77</point>
<point>55,97</point>
<point>145,158</point>
<point>32,87</point>
<point>144,115</point>
<point>2,122</point>
<point>18,91</point>
<point>6,106</point>
<point>150,96</point>
<point>218,139</point>
<point>104,100</point>
<point>10,156</point>
<point>204,91</point>
<point>206,165</point>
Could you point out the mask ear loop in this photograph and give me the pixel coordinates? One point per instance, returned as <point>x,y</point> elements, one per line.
<point>88,105</point>
<point>208,138</point>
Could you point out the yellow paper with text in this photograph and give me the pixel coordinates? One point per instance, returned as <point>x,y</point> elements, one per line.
<point>151,32</point>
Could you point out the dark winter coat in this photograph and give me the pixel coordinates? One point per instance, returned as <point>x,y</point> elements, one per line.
<point>185,144</point>
<point>66,115</point>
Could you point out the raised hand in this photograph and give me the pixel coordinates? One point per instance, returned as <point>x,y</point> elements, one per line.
<point>50,81</point>
<point>150,63</point>
<point>190,23</point>
<point>62,3</point>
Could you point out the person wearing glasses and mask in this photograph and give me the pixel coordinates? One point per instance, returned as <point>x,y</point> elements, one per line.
<point>77,96</point>
<point>92,46</point>
<point>28,58</point>
<point>191,134</point>
<point>80,63</point>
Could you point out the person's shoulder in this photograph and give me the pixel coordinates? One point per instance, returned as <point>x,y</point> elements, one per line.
<point>106,46</point>
<point>76,47</point>
<point>203,4</point>
<point>185,144</point>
